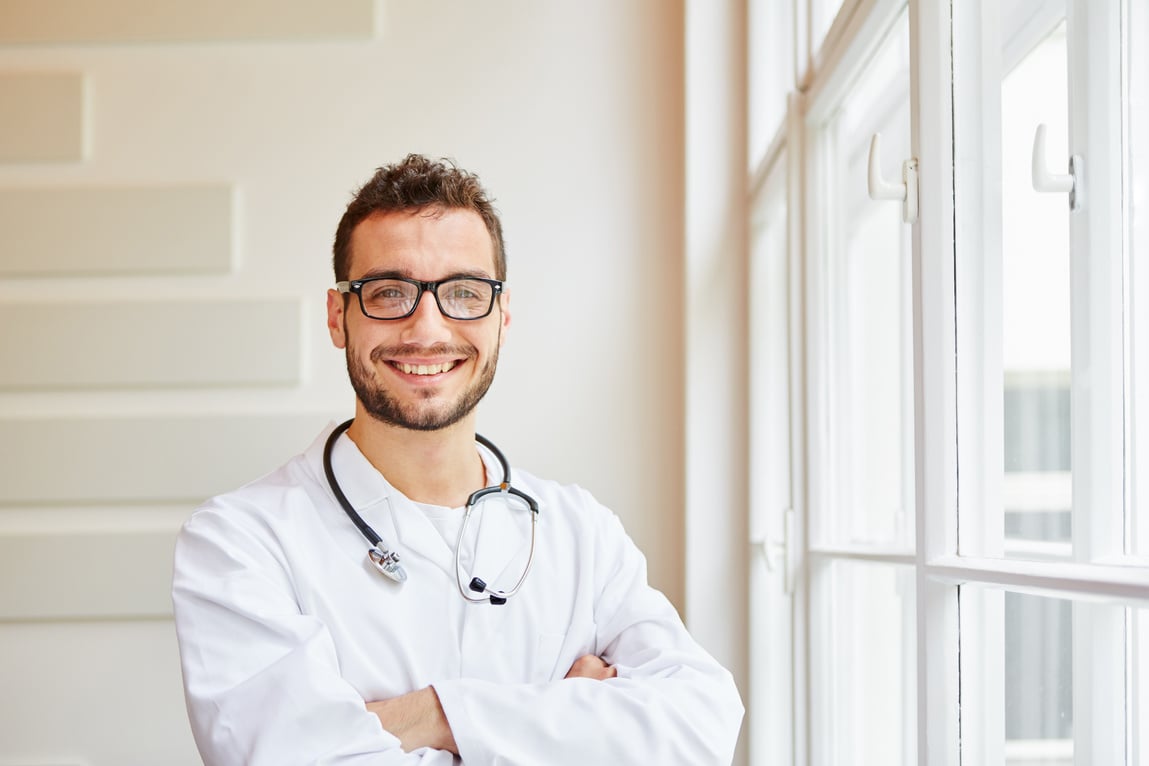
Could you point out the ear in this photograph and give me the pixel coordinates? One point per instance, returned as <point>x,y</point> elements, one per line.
<point>335,319</point>
<point>504,316</point>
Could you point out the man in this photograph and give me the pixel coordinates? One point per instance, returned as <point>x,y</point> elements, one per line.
<point>297,647</point>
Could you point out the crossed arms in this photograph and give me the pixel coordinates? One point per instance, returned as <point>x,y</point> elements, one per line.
<point>417,718</point>
<point>269,681</point>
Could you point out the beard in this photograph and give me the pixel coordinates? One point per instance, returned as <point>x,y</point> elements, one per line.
<point>385,407</point>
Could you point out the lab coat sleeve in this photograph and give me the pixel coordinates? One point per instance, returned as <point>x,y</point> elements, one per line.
<point>671,703</point>
<point>261,679</point>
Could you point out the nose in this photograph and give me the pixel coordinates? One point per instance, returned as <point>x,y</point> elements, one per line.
<point>426,325</point>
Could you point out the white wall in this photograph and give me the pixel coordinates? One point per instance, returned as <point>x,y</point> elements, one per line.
<point>571,112</point>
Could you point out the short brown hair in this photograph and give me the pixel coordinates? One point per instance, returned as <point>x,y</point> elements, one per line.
<point>415,184</point>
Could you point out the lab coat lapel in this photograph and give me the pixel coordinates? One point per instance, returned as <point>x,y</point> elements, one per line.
<point>402,526</point>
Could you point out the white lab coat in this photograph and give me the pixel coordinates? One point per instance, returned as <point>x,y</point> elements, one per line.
<point>285,629</point>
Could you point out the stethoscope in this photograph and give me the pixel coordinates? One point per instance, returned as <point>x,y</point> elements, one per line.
<point>387,560</point>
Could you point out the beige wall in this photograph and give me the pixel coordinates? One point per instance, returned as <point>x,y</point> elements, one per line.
<point>147,364</point>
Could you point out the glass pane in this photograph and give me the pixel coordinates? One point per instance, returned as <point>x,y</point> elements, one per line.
<point>770,722</point>
<point>1137,277</point>
<point>1013,280</point>
<point>1139,685</point>
<point>770,362</point>
<point>868,484</point>
<point>1043,679</point>
<point>770,49</point>
<point>1037,487</point>
<point>1038,683</point>
<point>822,14</point>
<point>863,687</point>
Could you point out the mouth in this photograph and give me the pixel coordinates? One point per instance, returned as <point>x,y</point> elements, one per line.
<point>423,366</point>
<point>423,369</point>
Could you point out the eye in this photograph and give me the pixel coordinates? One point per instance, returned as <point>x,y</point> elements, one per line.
<point>385,290</point>
<point>462,291</point>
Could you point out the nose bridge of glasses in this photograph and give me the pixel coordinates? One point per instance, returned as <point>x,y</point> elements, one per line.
<point>423,289</point>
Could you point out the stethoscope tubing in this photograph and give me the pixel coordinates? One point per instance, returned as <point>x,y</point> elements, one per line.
<point>363,526</point>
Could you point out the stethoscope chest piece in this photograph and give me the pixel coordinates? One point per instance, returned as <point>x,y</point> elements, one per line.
<point>387,562</point>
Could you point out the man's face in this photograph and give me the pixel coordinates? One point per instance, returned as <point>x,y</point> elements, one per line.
<point>425,372</point>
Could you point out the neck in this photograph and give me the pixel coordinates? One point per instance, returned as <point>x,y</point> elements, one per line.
<point>435,467</point>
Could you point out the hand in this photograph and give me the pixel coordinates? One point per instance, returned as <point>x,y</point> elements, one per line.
<point>417,719</point>
<point>590,666</point>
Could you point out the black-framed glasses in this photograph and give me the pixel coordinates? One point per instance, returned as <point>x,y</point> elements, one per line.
<point>463,298</point>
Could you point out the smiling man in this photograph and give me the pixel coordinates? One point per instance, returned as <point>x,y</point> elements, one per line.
<point>297,647</point>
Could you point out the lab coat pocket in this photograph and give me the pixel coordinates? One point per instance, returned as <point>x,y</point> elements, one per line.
<point>547,649</point>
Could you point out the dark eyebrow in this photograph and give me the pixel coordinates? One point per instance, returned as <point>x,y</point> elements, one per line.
<point>384,274</point>
<point>478,273</point>
<point>397,274</point>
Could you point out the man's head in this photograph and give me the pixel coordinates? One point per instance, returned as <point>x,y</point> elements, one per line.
<point>415,223</point>
<point>413,185</point>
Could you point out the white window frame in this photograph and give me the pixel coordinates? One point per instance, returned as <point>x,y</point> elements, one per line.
<point>771,275</point>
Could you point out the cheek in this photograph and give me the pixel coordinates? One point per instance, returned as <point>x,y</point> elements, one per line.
<point>357,344</point>
<point>361,348</point>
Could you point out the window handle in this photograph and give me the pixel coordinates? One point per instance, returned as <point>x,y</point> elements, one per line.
<point>777,554</point>
<point>906,190</point>
<point>1055,183</point>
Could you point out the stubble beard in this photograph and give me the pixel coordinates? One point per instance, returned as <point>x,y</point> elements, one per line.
<point>385,407</point>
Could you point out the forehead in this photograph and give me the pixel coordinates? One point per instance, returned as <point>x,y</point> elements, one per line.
<point>426,244</point>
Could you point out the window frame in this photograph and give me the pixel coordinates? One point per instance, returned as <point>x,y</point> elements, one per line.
<point>771,452</point>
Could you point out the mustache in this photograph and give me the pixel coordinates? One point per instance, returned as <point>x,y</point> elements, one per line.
<point>381,354</point>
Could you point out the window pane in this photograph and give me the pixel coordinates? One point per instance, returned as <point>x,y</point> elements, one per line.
<point>1038,680</point>
<point>864,688</point>
<point>1137,277</point>
<point>865,482</point>
<point>770,49</point>
<point>770,722</point>
<point>1043,679</point>
<point>1013,280</point>
<point>1037,486</point>
<point>822,14</point>
<point>1038,683</point>
<point>1139,685</point>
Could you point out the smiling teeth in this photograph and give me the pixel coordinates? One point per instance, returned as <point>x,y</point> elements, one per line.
<point>424,369</point>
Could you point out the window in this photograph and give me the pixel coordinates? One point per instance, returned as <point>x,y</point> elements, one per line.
<point>969,412</point>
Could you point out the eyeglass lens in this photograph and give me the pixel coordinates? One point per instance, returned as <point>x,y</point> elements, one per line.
<point>461,298</point>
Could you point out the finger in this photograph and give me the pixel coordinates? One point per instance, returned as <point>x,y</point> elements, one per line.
<point>591,666</point>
